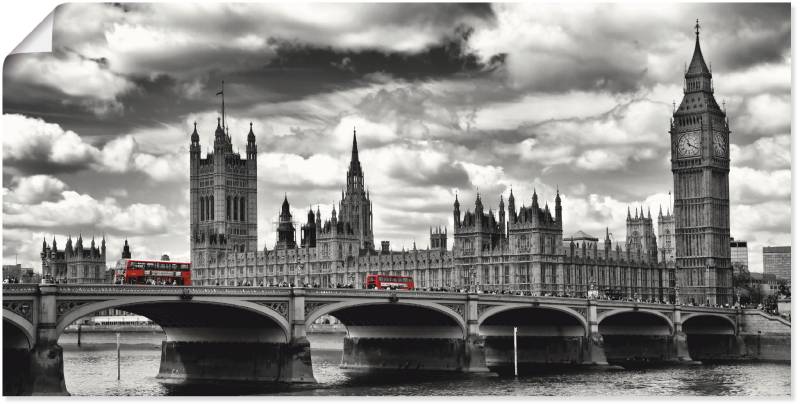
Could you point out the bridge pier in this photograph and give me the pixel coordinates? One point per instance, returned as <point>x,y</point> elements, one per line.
<point>47,358</point>
<point>679,338</point>
<point>475,343</point>
<point>594,352</point>
<point>201,361</point>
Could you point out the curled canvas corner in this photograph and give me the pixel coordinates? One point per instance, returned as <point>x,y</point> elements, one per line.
<point>40,39</point>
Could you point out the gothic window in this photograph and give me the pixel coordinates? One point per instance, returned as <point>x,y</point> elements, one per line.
<point>228,208</point>
<point>202,208</point>
<point>241,209</point>
<point>211,207</point>
<point>235,208</point>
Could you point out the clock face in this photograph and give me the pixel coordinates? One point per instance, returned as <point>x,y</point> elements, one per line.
<point>720,146</point>
<point>689,145</point>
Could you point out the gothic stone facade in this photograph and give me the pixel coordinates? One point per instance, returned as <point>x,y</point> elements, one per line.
<point>223,199</point>
<point>524,251</point>
<point>74,264</point>
<point>700,140</point>
<point>666,236</point>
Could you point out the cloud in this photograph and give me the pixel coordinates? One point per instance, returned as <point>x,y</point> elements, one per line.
<point>769,153</point>
<point>31,142</point>
<point>289,171</point>
<point>195,37</point>
<point>749,186</point>
<point>170,167</point>
<point>619,48</point>
<point>88,81</point>
<point>74,211</point>
<point>41,147</point>
<point>763,114</point>
<point>610,141</point>
<point>35,189</point>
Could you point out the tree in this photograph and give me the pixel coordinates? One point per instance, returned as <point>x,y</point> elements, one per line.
<point>784,289</point>
<point>771,303</point>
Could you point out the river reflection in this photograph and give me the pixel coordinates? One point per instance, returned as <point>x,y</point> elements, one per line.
<point>91,370</point>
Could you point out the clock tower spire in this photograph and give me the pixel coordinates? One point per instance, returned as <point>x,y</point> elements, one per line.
<point>700,141</point>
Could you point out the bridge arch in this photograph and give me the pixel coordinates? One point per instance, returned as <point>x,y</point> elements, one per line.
<point>710,336</point>
<point>634,336</point>
<point>149,306</point>
<point>17,331</point>
<point>427,309</point>
<point>715,323</point>
<point>492,311</point>
<point>545,334</point>
<point>628,311</point>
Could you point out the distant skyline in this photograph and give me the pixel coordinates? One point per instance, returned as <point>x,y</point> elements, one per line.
<point>445,98</point>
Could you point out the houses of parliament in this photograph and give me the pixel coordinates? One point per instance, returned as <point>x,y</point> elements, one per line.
<point>522,248</point>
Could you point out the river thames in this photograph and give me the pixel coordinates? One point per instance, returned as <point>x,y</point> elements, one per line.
<point>91,370</point>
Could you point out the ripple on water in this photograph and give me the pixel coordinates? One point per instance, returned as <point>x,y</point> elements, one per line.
<point>92,371</point>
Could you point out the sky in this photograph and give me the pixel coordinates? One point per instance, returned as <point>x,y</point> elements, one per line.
<point>446,99</point>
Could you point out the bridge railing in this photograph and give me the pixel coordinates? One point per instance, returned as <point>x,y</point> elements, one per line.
<point>107,289</point>
<point>380,293</point>
<point>20,288</point>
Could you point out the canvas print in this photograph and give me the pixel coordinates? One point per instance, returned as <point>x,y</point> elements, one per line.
<point>436,199</point>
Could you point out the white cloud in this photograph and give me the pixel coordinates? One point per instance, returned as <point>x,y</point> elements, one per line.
<point>75,210</point>
<point>168,167</point>
<point>539,107</point>
<point>774,152</point>
<point>74,76</point>
<point>36,142</point>
<point>762,114</point>
<point>292,170</point>
<point>36,139</point>
<point>766,77</point>
<point>35,189</point>
<point>748,185</point>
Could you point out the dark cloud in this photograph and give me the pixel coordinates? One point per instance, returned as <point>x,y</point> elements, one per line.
<point>445,174</point>
<point>444,59</point>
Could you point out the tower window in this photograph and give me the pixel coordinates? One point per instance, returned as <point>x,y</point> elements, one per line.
<point>235,208</point>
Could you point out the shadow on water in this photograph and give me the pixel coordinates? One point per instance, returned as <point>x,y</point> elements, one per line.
<point>91,370</point>
<point>225,389</point>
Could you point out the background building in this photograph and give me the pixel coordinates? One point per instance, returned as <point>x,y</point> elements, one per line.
<point>74,264</point>
<point>739,259</point>
<point>17,273</point>
<point>778,261</point>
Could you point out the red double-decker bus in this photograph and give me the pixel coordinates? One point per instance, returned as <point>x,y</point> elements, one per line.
<point>388,282</point>
<point>146,272</point>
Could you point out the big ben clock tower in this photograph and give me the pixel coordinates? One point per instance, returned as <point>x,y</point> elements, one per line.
<point>700,164</point>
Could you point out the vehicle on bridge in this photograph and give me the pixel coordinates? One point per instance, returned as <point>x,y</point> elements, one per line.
<point>146,272</point>
<point>374,281</point>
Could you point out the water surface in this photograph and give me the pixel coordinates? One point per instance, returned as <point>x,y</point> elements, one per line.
<point>91,370</point>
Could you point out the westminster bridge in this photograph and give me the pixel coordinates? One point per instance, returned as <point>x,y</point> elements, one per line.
<point>259,334</point>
